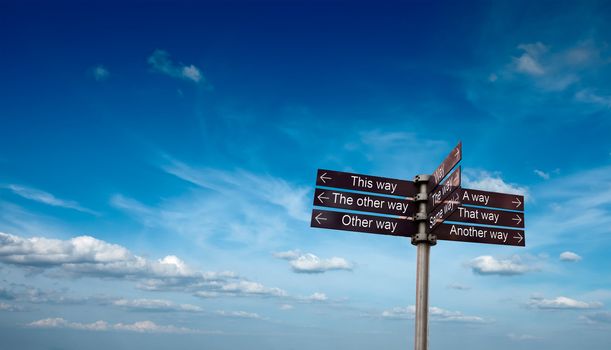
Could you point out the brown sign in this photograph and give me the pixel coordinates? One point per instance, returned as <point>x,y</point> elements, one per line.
<point>363,202</point>
<point>444,190</point>
<point>492,199</point>
<point>480,234</point>
<point>362,223</point>
<point>444,210</point>
<point>365,183</point>
<point>487,216</point>
<point>446,166</point>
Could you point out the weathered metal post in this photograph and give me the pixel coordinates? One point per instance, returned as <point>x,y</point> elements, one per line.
<point>423,241</point>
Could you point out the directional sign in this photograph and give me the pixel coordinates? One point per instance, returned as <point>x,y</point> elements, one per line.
<point>362,223</point>
<point>492,199</point>
<point>444,190</point>
<point>444,210</point>
<point>446,166</point>
<point>365,183</point>
<point>480,234</point>
<point>364,202</point>
<point>487,217</point>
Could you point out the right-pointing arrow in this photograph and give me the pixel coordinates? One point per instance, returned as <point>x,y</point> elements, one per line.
<point>323,178</point>
<point>318,218</point>
<point>320,197</point>
<point>518,219</point>
<point>519,236</point>
<point>517,202</point>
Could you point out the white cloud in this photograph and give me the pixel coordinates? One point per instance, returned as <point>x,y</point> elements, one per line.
<point>252,288</point>
<point>9,307</point>
<point>561,303</point>
<point>160,61</point>
<point>569,256</point>
<point>288,255</point>
<point>239,314</point>
<point>88,256</point>
<point>157,305</point>
<point>138,327</point>
<point>100,73</point>
<point>47,198</point>
<point>527,62</point>
<point>316,297</point>
<point>488,265</point>
<point>435,314</point>
<point>483,180</point>
<point>542,174</point>
<point>310,263</point>
<point>286,307</point>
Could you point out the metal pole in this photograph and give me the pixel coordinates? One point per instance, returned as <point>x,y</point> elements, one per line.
<point>423,241</point>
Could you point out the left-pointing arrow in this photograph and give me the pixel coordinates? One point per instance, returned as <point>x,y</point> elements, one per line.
<point>321,197</point>
<point>319,217</point>
<point>323,177</point>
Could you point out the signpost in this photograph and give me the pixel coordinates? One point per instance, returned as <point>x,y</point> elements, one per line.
<point>419,209</point>
<point>480,234</point>
<point>362,223</point>
<point>444,190</point>
<point>493,199</point>
<point>487,217</point>
<point>365,183</point>
<point>364,202</point>
<point>446,166</point>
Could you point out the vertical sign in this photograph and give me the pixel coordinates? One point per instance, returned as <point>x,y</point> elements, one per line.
<point>446,166</point>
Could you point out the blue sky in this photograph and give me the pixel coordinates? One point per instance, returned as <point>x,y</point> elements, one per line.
<point>158,161</point>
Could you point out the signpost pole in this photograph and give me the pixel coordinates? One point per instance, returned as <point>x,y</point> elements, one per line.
<point>423,242</point>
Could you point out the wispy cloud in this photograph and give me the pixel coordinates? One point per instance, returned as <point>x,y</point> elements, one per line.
<point>489,265</point>
<point>9,307</point>
<point>521,337</point>
<point>240,314</point>
<point>602,317</point>
<point>542,174</point>
<point>47,198</point>
<point>588,96</point>
<point>161,62</point>
<point>435,314</point>
<point>138,327</point>
<point>270,189</point>
<point>154,305</point>
<point>100,73</point>
<point>458,286</point>
<point>310,263</point>
<point>562,303</point>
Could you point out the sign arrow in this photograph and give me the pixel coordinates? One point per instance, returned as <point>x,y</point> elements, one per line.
<point>318,218</point>
<point>520,236</point>
<point>517,202</point>
<point>323,177</point>
<point>518,219</point>
<point>320,197</point>
<point>457,154</point>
